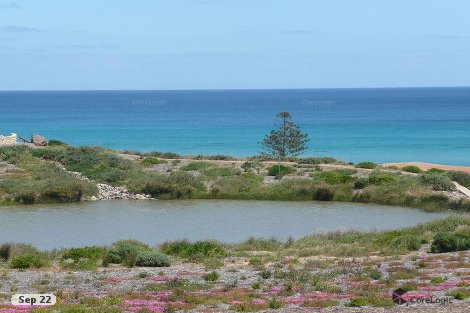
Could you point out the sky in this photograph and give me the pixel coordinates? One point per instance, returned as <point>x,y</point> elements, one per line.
<point>232,44</point>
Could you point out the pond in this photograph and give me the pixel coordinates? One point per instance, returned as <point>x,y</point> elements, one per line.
<point>103,222</point>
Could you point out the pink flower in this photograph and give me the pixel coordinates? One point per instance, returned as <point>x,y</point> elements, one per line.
<point>295,300</point>
<point>162,278</point>
<point>277,288</point>
<point>235,302</point>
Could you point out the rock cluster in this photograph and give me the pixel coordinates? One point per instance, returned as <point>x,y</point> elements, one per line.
<point>8,140</point>
<point>107,192</point>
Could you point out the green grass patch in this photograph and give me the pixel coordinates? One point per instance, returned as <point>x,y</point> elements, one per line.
<point>280,170</point>
<point>366,165</point>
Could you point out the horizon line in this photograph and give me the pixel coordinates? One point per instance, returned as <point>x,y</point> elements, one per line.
<point>234,89</point>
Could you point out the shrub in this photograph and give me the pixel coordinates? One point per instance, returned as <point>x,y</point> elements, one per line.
<point>5,250</point>
<point>153,259</point>
<point>439,200</point>
<point>409,286</point>
<point>153,161</point>
<point>91,253</point>
<point>212,276</point>
<point>266,274</point>
<point>256,165</point>
<point>164,155</point>
<point>447,242</point>
<point>54,142</point>
<point>407,242</point>
<point>460,294</point>
<point>411,169</point>
<point>371,300</point>
<point>462,178</point>
<point>27,261</point>
<point>188,250</point>
<point>275,170</point>
<point>129,259</point>
<point>323,193</point>
<point>378,178</point>
<point>437,280</point>
<point>317,160</point>
<point>361,183</point>
<point>334,177</point>
<point>27,197</point>
<point>435,171</point>
<point>121,250</point>
<point>177,185</point>
<point>367,165</point>
<point>437,182</point>
<point>221,171</point>
<point>275,304</point>
<point>219,157</point>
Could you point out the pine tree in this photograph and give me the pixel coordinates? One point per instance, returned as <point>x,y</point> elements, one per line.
<point>287,140</point>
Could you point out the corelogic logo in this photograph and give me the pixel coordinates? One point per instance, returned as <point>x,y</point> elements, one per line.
<point>399,298</point>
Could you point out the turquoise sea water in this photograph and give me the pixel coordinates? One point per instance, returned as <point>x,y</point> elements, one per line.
<point>382,125</point>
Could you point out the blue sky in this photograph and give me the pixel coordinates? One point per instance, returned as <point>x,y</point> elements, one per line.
<point>225,44</point>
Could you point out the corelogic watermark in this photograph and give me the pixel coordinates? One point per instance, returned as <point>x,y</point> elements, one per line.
<point>154,102</point>
<point>400,297</point>
<point>318,102</point>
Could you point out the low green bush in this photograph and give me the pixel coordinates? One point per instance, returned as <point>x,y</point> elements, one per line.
<point>5,251</point>
<point>265,274</point>
<point>28,261</point>
<point>153,259</point>
<point>220,157</point>
<point>221,171</point>
<point>152,161</point>
<point>462,178</point>
<point>279,171</point>
<point>317,160</point>
<point>323,193</point>
<point>366,165</point>
<point>361,183</point>
<point>407,242</point>
<point>255,165</point>
<point>435,171</point>
<point>212,276</point>
<point>334,177</point>
<point>450,242</point>
<point>122,249</point>
<point>163,155</point>
<point>177,185</point>
<point>91,253</point>
<point>54,142</point>
<point>187,250</point>
<point>437,280</point>
<point>437,182</point>
<point>412,169</point>
<point>379,178</point>
<point>459,294</point>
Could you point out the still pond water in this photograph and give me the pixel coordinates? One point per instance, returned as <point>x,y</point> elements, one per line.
<point>103,222</point>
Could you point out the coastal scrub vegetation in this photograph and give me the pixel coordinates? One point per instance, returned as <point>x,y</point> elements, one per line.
<point>37,175</point>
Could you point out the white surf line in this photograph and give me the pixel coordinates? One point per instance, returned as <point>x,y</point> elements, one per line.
<point>462,189</point>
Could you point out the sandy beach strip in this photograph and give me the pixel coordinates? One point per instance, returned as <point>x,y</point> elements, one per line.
<point>427,166</point>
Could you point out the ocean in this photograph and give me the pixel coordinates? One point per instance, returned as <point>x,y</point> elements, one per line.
<point>381,125</point>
